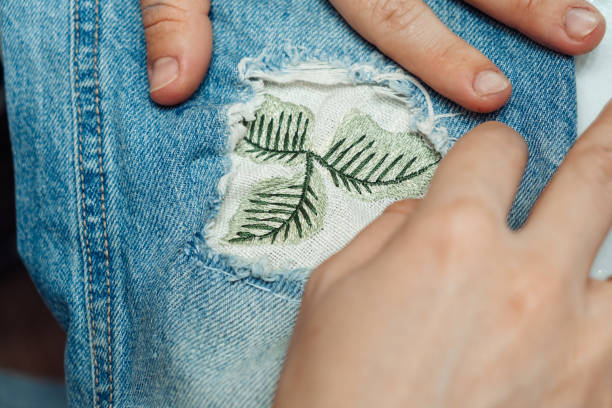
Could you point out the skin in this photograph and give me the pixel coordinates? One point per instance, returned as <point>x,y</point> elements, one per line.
<point>406,30</point>
<point>439,304</point>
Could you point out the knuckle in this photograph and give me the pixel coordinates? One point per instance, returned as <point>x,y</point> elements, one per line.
<point>448,52</point>
<point>520,305</point>
<point>505,139</point>
<point>394,15</point>
<point>525,6</point>
<point>459,230</point>
<point>593,164</point>
<point>403,207</point>
<point>533,295</point>
<point>168,12</point>
<point>466,217</point>
<point>161,13</point>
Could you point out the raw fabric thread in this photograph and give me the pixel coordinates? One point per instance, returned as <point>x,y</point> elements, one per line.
<point>294,76</point>
<point>256,71</point>
<point>358,160</point>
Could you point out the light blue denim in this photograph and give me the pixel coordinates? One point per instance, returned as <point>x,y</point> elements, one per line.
<point>114,192</point>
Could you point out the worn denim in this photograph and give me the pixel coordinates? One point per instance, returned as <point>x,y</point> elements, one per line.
<point>114,193</point>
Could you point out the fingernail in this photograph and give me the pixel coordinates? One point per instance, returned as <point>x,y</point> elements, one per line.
<point>490,82</point>
<point>581,22</point>
<point>163,71</point>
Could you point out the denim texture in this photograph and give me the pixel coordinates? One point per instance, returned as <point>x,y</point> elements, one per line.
<point>114,193</point>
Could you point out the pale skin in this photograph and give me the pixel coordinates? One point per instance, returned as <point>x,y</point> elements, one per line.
<point>438,303</point>
<point>179,42</point>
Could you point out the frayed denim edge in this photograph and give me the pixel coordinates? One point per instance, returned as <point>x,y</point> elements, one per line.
<point>298,65</point>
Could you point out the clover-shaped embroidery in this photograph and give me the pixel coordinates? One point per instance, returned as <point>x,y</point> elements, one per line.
<point>363,159</point>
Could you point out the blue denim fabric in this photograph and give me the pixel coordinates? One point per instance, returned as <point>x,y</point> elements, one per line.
<point>114,193</point>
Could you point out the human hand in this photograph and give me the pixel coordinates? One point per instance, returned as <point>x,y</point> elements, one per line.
<point>179,42</point>
<point>439,304</point>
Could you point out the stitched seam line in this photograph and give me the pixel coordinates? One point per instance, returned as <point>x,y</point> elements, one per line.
<point>103,203</point>
<point>83,207</point>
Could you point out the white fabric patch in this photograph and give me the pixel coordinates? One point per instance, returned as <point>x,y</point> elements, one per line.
<point>337,206</point>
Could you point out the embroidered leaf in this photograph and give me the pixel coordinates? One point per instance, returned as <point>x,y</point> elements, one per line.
<point>281,132</point>
<point>365,159</point>
<point>280,210</point>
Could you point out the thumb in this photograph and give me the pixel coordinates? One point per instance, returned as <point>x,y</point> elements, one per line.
<point>179,47</point>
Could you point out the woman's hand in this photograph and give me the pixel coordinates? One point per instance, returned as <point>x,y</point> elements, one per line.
<point>179,42</point>
<point>439,304</point>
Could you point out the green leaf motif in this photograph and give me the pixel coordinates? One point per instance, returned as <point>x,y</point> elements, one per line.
<point>281,132</point>
<point>286,210</point>
<point>371,162</point>
<point>363,159</point>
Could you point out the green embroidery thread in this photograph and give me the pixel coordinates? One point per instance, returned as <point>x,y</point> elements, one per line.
<point>281,132</point>
<point>362,160</point>
<point>280,209</point>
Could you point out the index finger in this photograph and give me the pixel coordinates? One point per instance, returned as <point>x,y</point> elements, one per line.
<point>411,34</point>
<point>574,212</point>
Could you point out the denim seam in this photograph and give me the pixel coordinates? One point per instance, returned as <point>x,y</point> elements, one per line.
<point>280,210</point>
<point>92,177</point>
<point>254,74</point>
<point>103,202</point>
<point>83,207</point>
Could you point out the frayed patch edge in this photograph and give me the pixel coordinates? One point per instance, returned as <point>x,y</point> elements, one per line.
<point>255,72</point>
<point>240,270</point>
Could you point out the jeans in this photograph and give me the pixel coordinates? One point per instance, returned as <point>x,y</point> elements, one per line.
<point>173,244</point>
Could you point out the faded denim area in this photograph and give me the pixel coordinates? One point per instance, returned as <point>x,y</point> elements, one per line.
<point>114,192</point>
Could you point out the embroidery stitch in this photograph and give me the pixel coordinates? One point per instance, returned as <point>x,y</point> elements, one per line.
<point>285,209</point>
<point>361,161</point>
<point>382,173</point>
<point>263,141</point>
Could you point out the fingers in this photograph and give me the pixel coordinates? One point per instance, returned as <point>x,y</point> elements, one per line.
<point>600,309</point>
<point>569,26</point>
<point>485,168</point>
<point>179,47</point>
<point>410,33</point>
<point>363,248</point>
<point>575,211</point>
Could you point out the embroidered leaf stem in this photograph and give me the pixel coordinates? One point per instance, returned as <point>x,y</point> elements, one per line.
<point>368,160</point>
<point>287,210</point>
<point>394,171</point>
<point>281,132</point>
<point>363,159</point>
